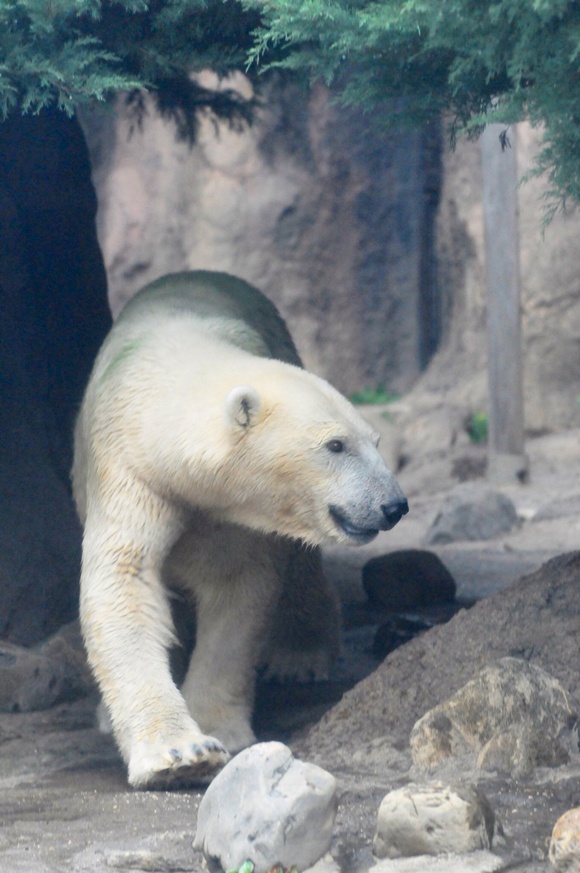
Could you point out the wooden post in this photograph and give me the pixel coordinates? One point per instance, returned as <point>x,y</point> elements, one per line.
<point>506,459</point>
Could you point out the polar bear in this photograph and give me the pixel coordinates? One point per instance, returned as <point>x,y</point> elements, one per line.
<point>208,462</point>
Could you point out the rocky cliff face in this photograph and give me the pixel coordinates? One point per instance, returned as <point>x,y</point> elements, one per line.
<point>551,305</point>
<point>328,216</point>
<point>550,293</point>
<point>371,244</point>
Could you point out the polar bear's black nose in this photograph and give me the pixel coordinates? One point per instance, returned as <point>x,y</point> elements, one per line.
<point>393,513</point>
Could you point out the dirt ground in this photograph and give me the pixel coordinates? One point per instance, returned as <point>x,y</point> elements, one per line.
<point>65,804</point>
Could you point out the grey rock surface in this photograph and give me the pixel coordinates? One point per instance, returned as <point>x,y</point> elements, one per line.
<point>432,819</point>
<point>569,506</point>
<point>37,678</point>
<point>268,808</point>
<point>551,297</point>
<point>472,511</point>
<point>513,715</point>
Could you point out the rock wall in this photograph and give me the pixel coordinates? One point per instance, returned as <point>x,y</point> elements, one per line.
<point>550,275</point>
<point>371,244</point>
<point>551,304</point>
<point>330,218</point>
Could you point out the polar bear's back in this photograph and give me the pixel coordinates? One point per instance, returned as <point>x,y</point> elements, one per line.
<point>226,306</point>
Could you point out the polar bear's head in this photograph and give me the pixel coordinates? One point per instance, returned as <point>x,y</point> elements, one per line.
<point>307,462</point>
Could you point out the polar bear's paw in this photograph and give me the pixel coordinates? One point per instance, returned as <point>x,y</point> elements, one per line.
<point>192,759</point>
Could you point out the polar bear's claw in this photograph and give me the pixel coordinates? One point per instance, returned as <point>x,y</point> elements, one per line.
<point>177,767</point>
<point>215,746</point>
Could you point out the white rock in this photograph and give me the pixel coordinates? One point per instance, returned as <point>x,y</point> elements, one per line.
<point>431,820</point>
<point>268,808</point>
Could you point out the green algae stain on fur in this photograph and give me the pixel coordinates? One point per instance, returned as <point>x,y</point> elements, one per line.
<point>122,355</point>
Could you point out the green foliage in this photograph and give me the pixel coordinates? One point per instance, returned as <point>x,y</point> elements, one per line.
<point>246,867</point>
<point>477,60</point>
<point>375,396</point>
<point>45,57</point>
<point>406,60</point>
<point>478,428</point>
<point>71,52</point>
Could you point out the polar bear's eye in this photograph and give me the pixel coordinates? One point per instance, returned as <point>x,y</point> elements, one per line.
<point>335,446</point>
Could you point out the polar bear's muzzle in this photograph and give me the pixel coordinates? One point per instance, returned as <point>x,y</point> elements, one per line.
<point>390,515</point>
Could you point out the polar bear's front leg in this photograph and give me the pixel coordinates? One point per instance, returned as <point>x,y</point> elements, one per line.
<point>128,629</point>
<point>234,607</point>
<point>219,685</point>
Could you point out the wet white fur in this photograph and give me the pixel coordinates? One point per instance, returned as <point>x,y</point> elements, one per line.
<point>192,450</point>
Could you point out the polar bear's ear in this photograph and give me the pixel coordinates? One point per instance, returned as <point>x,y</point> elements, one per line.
<point>242,406</point>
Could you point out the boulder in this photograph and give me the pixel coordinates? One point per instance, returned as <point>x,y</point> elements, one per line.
<point>406,579</point>
<point>269,808</point>
<point>513,715</point>
<point>565,843</point>
<point>40,677</point>
<point>431,820</point>
<point>472,511</point>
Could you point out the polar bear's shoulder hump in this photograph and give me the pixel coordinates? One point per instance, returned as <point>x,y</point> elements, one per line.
<point>223,305</point>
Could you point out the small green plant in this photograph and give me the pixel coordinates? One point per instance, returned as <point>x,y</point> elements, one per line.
<point>478,428</point>
<point>375,396</point>
<point>246,867</point>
